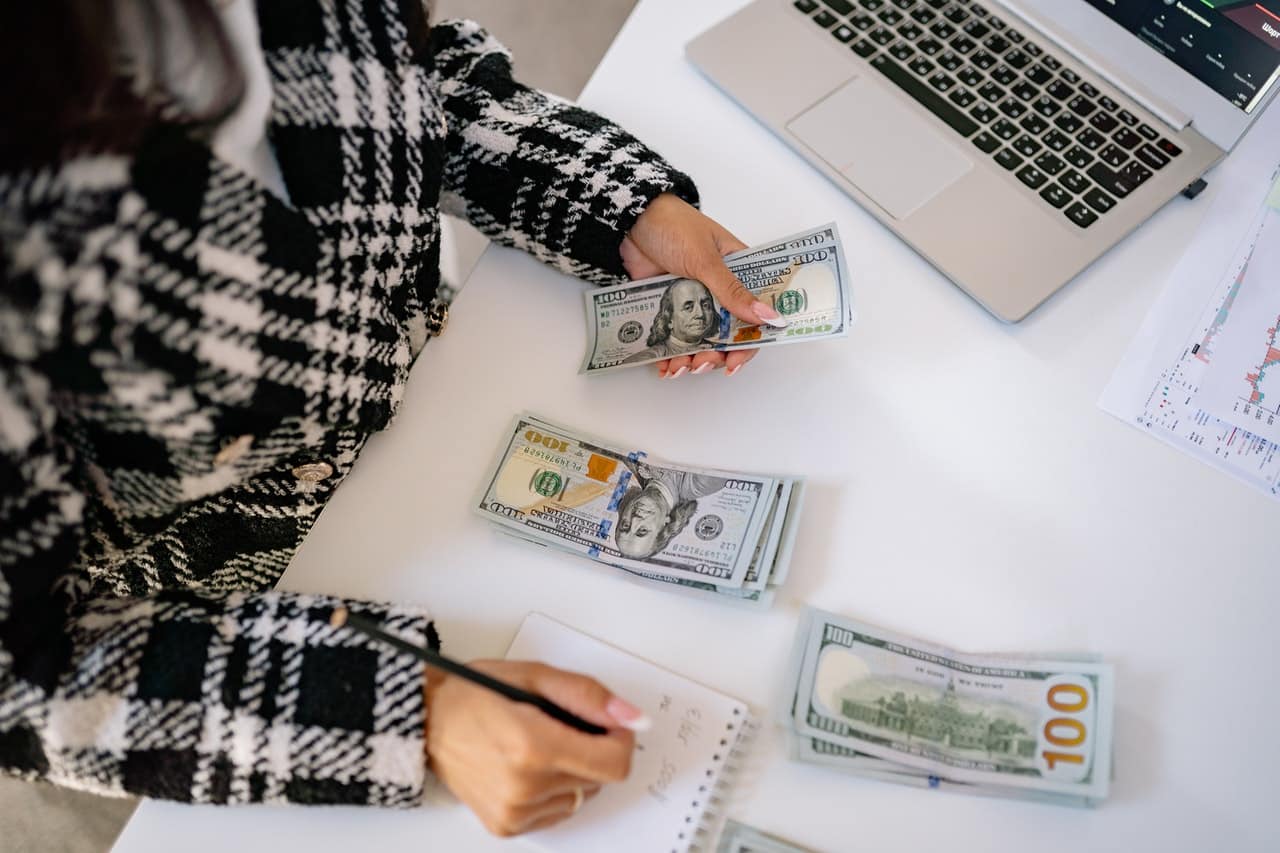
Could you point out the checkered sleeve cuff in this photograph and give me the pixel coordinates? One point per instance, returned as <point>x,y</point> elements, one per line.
<point>248,697</point>
<point>533,171</point>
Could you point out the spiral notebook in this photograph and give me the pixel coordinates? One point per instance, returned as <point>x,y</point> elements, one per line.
<point>682,766</point>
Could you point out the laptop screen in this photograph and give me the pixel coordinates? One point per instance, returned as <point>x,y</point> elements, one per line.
<point>1232,46</point>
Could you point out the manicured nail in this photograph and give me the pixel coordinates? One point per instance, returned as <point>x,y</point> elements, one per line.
<point>733,370</point>
<point>765,314</point>
<point>681,372</point>
<point>704,368</point>
<point>628,715</point>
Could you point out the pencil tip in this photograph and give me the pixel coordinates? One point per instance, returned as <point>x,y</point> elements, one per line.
<point>339,617</point>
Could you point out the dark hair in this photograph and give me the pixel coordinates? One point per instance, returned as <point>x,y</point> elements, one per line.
<point>71,87</point>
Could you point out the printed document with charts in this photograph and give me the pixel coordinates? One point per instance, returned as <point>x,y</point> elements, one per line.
<point>1203,374</point>
<point>682,766</point>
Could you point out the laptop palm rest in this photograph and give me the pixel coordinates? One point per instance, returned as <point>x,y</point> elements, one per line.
<point>887,151</point>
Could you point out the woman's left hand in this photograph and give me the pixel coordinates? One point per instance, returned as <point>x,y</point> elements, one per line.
<point>673,237</point>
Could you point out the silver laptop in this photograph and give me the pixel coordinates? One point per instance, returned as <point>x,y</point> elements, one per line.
<point>1010,142</point>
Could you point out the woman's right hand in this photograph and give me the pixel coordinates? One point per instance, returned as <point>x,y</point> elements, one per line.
<point>514,766</point>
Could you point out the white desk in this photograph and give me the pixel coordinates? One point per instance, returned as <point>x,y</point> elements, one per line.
<point>965,488</point>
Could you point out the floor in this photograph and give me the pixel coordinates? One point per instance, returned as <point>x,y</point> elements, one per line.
<point>556,44</point>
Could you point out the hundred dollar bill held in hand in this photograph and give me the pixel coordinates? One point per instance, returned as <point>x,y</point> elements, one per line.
<point>805,277</point>
<point>891,707</point>
<point>699,529</point>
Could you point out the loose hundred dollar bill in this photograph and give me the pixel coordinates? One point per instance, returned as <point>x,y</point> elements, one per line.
<point>740,838</point>
<point>613,504</point>
<point>805,277</point>
<point>882,705</point>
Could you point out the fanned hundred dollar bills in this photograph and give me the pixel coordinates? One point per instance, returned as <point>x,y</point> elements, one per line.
<point>805,277</point>
<point>740,838</point>
<point>877,704</point>
<point>696,530</point>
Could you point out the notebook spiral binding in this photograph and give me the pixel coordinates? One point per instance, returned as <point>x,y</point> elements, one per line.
<point>706,814</point>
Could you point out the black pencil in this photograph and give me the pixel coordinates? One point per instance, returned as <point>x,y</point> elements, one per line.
<point>341,616</point>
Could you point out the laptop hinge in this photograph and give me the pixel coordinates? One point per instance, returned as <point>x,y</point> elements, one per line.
<point>1148,100</point>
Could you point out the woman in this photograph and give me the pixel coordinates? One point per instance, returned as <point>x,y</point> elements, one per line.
<point>219,245</point>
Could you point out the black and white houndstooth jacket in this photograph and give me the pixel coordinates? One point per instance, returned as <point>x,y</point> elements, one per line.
<point>188,368</point>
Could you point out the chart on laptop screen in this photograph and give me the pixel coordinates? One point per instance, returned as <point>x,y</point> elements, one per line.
<point>1232,46</point>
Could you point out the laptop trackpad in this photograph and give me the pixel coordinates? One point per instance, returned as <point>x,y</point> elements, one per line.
<point>893,155</point>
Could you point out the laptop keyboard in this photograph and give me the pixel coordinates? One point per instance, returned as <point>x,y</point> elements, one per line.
<point>1078,150</point>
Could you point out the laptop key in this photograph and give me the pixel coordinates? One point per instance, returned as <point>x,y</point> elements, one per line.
<point>902,51</point>
<point>1074,181</point>
<point>1051,63</point>
<point>930,46</point>
<point>1057,141</point>
<point>1014,36</point>
<point>976,29</point>
<point>904,5</point>
<point>891,17</point>
<point>923,15</point>
<point>1037,74</point>
<point>1059,90</point>
<point>922,66</point>
<point>842,7</point>
<point>943,30</point>
<point>1078,157</point>
<point>963,45</point>
<point>871,5</point>
<point>1025,91</point>
<point>1126,138</point>
<point>1049,164</point>
<point>1068,123</point>
<point>1091,139</point>
<point>1099,200</point>
<point>1012,108</point>
<point>1008,159</point>
<point>956,15</point>
<point>926,97</point>
<point>881,36</point>
<point>996,43</point>
<point>1032,177</point>
<point>1113,182</point>
<point>983,113</point>
<point>969,76</point>
<point>1081,215</point>
<point>1070,76</point>
<point>1108,104</point>
<point>1026,146</point>
<point>950,61</point>
<point>863,22</point>
<point>844,33</point>
<point>983,60</point>
<point>864,48</point>
<point>1152,157</point>
<point>1033,49</point>
<point>962,97</point>
<point>1128,118</point>
<point>1104,122</point>
<point>991,92</point>
<point>1168,147</point>
<point>805,6</point>
<point>942,82</point>
<point>1137,173</point>
<point>1033,124</point>
<point>1017,58</point>
<point>1055,195</point>
<point>1089,89</point>
<point>1148,131</point>
<point>1004,75</point>
<point>910,31</point>
<point>1005,129</point>
<point>1081,106</point>
<point>824,19</point>
<point>986,142</point>
<point>1113,156</point>
<point>1046,106</point>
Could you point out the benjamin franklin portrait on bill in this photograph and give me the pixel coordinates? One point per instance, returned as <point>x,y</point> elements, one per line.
<point>687,319</point>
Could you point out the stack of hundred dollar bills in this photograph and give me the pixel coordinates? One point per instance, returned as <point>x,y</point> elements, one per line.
<point>804,277</point>
<point>873,703</point>
<point>697,530</point>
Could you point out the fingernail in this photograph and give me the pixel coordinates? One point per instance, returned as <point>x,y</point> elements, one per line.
<point>681,372</point>
<point>628,715</point>
<point>765,314</point>
<point>704,368</point>
<point>733,370</point>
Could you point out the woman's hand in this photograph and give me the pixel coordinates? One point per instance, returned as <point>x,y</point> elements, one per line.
<point>514,766</point>
<point>673,237</point>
